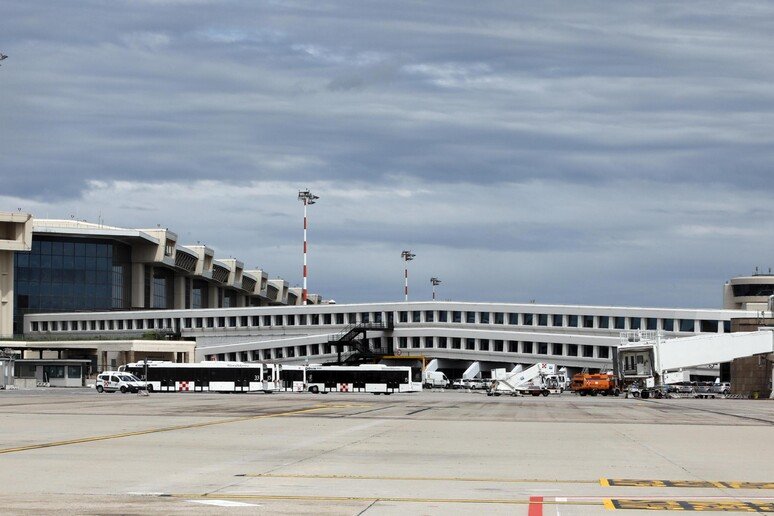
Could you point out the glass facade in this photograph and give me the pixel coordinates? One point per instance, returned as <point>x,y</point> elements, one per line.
<point>71,274</point>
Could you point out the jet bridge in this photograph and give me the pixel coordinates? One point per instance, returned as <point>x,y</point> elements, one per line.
<point>644,357</point>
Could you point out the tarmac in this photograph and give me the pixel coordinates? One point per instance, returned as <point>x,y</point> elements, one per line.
<point>79,452</point>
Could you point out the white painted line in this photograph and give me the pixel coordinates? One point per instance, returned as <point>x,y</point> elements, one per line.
<point>224,503</point>
<point>558,499</point>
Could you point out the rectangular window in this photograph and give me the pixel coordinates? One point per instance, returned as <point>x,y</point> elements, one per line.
<point>604,352</point>
<point>456,317</point>
<point>428,342</point>
<point>604,322</point>
<point>513,318</point>
<point>74,371</point>
<point>403,342</point>
<point>572,350</point>
<point>483,345</point>
<point>483,317</point>
<point>527,347</point>
<point>635,323</point>
<point>456,343</point>
<point>301,320</point>
<point>513,346</point>
<point>668,324</point>
<point>415,342</point>
<point>316,319</point>
<point>442,342</point>
<point>339,319</point>
<point>652,323</point>
<point>588,351</point>
<point>402,316</point>
<point>572,321</point>
<point>687,325</point>
<point>556,349</point>
<point>527,319</point>
<point>542,319</point>
<point>416,316</point>
<point>278,320</point>
<point>443,316</point>
<point>557,320</point>
<point>498,345</point>
<point>542,348</point>
<point>429,316</point>
<point>470,344</point>
<point>726,326</point>
<point>499,318</point>
<point>588,321</point>
<point>619,323</point>
<point>470,317</point>
<point>708,326</point>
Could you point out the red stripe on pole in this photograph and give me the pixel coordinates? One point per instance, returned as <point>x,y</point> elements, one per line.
<point>305,271</point>
<point>535,506</point>
<point>304,246</point>
<point>303,296</point>
<point>304,222</point>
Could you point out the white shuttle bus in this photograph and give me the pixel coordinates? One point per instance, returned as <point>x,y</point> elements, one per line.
<point>206,376</point>
<point>376,379</point>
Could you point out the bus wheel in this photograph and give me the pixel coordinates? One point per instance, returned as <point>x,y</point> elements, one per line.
<point>593,393</point>
<point>604,393</point>
<point>314,390</point>
<point>545,393</point>
<point>583,393</point>
<point>100,389</point>
<point>149,388</point>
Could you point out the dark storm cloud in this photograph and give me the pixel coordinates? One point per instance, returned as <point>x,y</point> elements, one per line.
<point>456,92</point>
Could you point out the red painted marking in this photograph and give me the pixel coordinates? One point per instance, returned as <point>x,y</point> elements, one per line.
<point>183,386</point>
<point>535,506</point>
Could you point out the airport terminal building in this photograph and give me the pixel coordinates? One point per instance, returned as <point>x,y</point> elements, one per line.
<point>116,295</point>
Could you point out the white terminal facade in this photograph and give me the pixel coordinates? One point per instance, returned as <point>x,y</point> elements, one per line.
<point>243,315</point>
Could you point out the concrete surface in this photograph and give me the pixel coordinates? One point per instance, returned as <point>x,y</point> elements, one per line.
<point>76,451</point>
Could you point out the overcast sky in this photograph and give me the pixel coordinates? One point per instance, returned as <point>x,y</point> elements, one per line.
<point>596,152</point>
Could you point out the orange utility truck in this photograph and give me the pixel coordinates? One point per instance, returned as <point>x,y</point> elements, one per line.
<point>593,384</point>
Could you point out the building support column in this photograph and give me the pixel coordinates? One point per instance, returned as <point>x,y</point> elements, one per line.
<point>180,292</point>
<point>138,285</point>
<point>6,294</point>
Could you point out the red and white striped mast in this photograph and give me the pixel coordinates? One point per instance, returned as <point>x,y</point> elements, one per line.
<point>407,257</point>
<point>307,198</point>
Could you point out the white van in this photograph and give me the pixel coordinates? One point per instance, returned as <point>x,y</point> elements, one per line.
<point>112,381</point>
<point>434,379</point>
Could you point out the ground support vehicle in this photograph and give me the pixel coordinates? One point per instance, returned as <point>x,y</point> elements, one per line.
<point>206,376</point>
<point>540,378</point>
<point>118,381</point>
<point>645,359</point>
<point>372,378</point>
<point>432,379</point>
<point>592,384</point>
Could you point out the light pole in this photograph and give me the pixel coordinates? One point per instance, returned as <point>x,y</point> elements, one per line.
<point>307,198</point>
<point>407,257</point>
<point>435,282</point>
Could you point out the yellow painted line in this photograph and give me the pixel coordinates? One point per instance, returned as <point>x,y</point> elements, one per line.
<point>706,484</point>
<point>160,430</point>
<point>315,498</point>
<point>608,503</point>
<point>432,479</point>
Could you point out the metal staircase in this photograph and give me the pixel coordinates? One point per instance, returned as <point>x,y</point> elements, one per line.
<point>354,336</point>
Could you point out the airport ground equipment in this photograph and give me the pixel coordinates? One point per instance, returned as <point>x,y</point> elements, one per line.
<point>209,376</point>
<point>434,379</point>
<point>644,359</point>
<point>593,384</point>
<point>535,378</point>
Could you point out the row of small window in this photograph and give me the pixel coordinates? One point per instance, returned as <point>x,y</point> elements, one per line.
<point>572,321</point>
<point>505,346</point>
<point>567,321</point>
<point>498,346</point>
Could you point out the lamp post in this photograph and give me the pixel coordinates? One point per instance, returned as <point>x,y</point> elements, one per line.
<point>307,198</point>
<point>435,282</point>
<point>407,257</point>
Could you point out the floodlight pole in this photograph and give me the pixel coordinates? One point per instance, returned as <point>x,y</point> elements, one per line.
<point>307,198</point>
<point>407,257</point>
<point>435,282</point>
